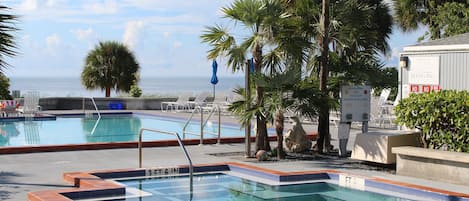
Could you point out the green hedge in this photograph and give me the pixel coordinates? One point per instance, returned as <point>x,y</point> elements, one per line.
<point>443,118</point>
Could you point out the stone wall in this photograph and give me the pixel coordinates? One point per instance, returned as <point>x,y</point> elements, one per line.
<point>446,166</point>
<point>68,103</point>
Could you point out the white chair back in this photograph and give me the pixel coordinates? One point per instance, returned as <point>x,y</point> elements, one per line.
<point>184,98</point>
<point>383,97</point>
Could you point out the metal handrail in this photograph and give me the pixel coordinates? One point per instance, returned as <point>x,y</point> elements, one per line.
<point>218,134</point>
<point>94,104</point>
<point>189,120</point>
<point>203,124</point>
<point>191,168</point>
<point>95,125</point>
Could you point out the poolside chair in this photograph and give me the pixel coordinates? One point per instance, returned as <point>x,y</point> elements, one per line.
<point>220,101</point>
<point>199,101</point>
<point>9,107</point>
<point>31,104</point>
<point>382,110</point>
<point>181,103</point>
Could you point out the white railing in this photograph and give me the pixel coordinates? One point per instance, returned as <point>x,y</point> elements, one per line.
<point>97,112</point>
<point>140,145</point>
<point>94,104</point>
<point>203,124</point>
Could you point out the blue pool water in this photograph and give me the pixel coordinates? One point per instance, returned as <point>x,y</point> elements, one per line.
<point>110,128</point>
<point>211,187</point>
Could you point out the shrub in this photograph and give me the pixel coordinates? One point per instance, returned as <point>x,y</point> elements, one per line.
<point>4,87</point>
<point>443,118</point>
<point>135,91</point>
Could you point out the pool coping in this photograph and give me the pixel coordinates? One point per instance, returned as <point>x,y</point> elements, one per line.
<point>119,145</point>
<point>96,183</point>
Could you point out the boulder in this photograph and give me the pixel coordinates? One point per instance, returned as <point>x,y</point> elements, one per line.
<point>296,140</point>
<point>261,155</point>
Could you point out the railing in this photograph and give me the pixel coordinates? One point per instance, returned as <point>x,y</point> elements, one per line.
<point>191,168</point>
<point>97,112</point>
<point>203,123</point>
<point>94,104</point>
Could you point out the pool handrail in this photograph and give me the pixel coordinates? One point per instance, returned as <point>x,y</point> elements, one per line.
<point>203,124</point>
<point>94,104</point>
<point>140,145</point>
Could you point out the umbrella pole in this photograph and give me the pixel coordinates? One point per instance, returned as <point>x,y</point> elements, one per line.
<point>214,92</point>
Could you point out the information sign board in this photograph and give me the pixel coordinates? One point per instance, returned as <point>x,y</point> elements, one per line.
<point>355,103</point>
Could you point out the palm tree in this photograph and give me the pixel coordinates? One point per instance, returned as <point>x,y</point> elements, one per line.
<point>7,39</point>
<point>278,88</point>
<point>110,65</point>
<point>260,18</point>
<point>323,41</point>
<point>339,28</point>
<point>411,13</point>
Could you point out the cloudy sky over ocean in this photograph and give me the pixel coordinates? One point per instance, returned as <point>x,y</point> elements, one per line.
<point>56,35</point>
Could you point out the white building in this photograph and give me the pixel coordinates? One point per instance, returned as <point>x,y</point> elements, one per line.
<point>435,65</point>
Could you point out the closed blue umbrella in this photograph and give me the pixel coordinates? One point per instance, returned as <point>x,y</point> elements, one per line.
<point>251,65</point>
<point>214,79</point>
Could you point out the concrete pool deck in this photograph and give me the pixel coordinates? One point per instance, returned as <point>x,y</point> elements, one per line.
<point>23,173</point>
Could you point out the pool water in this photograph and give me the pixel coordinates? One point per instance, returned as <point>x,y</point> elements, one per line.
<point>109,128</point>
<point>211,187</point>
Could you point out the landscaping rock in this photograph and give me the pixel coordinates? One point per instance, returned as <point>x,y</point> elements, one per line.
<point>295,139</point>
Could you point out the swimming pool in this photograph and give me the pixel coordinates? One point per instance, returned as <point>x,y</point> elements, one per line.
<point>78,129</point>
<point>220,187</point>
<point>236,181</point>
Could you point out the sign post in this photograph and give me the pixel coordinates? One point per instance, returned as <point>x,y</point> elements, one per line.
<point>354,106</point>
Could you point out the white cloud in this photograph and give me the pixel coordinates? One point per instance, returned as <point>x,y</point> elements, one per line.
<point>177,44</point>
<point>53,42</point>
<point>106,7</point>
<point>26,38</point>
<point>28,5</point>
<point>84,34</point>
<point>133,33</point>
<point>166,34</point>
<point>36,5</point>
<point>55,3</point>
<point>395,53</point>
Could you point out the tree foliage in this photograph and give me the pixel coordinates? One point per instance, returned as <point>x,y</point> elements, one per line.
<point>260,18</point>
<point>4,87</point>
<point>356,32</point>
<point>442,17</point>
<point>441,116</point>
<point>135,91</point>
<point>453,18</point>
<point>110,65</point>
<point>285,35</point>
<point>7,39</point>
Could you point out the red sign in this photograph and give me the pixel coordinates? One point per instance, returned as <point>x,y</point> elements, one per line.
<point>436,88</point>
<point>414,88</point>
<point>426,88</point>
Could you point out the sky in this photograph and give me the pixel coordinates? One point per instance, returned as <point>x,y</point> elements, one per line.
<point>56,35</point>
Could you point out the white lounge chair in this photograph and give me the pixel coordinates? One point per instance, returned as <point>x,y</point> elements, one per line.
<point>382,110</point>
<point>180,103</point>
<point>199,101</point>
<point>220,101</point>
<point>31,104</point>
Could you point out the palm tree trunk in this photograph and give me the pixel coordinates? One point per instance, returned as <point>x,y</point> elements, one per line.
<point>262,141</point>
<point>323,127</point>
<point>279,125</point>
<point>108,91</point>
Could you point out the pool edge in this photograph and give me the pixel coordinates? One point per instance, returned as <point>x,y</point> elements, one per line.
<point>88,183</point>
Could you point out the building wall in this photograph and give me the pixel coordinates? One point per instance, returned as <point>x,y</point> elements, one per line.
<point>453,72</point>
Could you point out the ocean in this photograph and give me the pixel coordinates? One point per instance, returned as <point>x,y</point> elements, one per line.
<point>157,86</point>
